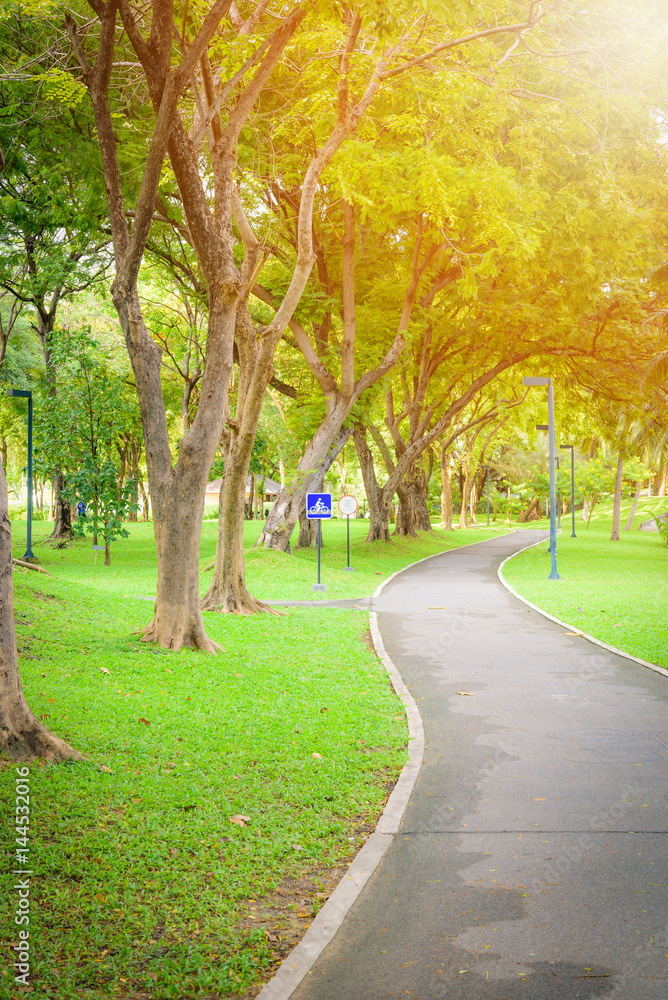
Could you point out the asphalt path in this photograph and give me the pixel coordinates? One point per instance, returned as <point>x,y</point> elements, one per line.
<point>531,860</point>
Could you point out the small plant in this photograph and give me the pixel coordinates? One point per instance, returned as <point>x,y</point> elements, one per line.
<point>104,503</point>
<point>662,525</point>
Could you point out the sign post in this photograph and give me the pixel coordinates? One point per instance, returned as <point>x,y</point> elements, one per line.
<point>549,427</point>
<point>318,508</point>
<point>348,506</point>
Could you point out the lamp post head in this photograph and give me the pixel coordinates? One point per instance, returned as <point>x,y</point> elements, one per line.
<point>566,446</point>
<point>23,393</point>
<point>527,380</point>
<point>542,427</point>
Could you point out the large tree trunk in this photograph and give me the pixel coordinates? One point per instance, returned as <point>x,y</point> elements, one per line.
<point>406,519</point>
<point>634,506</point>
<point>320,453</point>
<point>473,502</point>
<point>466,492</point>
<point>419,488</point>
<point>531,512</point>
<point>228,591</point>
<point>62,528</point>
<point>135,455</point>
<point>662,482</point>
<point>251,495</point>
<point>177,491</point>
<point>446,490</point>
<point>308,532</point>
<point>617,503</point>
<point>379,510</point>
<point>413,513</point>
<point>22,736</point>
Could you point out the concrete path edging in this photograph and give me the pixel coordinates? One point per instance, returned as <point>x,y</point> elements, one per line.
<point>558,621</point>
<point>301,959</point>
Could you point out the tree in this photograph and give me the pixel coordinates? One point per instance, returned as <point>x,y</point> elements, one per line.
<point>22,736</point>
<point>177,490</point>
<point>107,502</point>
<point>82,407</point>
<point>52,244</point>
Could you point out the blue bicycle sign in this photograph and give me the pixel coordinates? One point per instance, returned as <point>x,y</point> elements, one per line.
<point>318,506</point>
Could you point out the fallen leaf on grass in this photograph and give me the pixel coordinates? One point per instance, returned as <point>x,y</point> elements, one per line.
<point>318,756</point>
<point>107,769</point>
<point>270,937</point>
<point>100,898</point>
<point>239,820</point>
<point>145,721</point>
<point>104,670</point>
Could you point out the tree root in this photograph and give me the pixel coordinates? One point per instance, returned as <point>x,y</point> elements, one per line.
<point>169,637</point>
<point>232,605</point>
<point>28,565</point>
<point>32,741</point>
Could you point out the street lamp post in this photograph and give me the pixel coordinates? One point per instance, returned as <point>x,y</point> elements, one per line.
<point>26,394</point>
<point>487,468</point>
<point>570,447</point>
<point>558,499</point>
<point>554,575</point>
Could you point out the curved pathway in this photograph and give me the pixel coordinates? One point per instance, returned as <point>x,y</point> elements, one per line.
<point>530,863</point>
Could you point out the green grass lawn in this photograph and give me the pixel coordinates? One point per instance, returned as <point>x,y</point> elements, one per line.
<point>147,881</point>
<point>615,591</point>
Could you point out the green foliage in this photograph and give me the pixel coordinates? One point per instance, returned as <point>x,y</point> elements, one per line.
<point>593,479</point>
<point>81,405</point>
<point>106,503</point>
<point>662,527</point>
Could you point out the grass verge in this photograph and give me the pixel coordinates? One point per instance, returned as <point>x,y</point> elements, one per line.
<point>614,591</point>
<point>220,797</point>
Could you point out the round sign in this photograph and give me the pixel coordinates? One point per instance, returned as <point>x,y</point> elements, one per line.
<point>348,505</point>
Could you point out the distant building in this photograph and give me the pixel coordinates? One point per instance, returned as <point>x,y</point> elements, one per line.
<point>270,489</point>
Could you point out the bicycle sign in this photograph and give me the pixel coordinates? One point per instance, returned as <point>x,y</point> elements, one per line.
<point>318,506</point>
